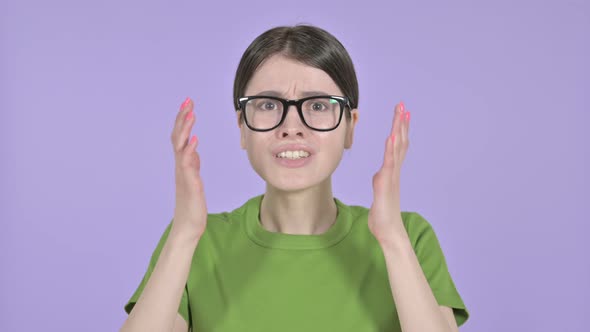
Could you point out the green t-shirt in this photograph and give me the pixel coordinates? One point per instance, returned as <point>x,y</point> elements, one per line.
<point>246,278</point>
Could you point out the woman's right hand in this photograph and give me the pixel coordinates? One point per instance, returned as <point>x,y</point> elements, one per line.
<point>190,212</point>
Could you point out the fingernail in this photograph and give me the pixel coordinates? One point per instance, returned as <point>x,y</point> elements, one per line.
<point>408,115</point>
<point>189,115</point>
<point>193,139</point>
<point>393,138</point>
<point>401,106</point>
<point>185,103</point>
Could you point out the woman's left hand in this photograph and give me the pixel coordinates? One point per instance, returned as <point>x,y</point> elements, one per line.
<point>385,221</point>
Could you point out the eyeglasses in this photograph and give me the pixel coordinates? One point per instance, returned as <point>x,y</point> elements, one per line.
<point>265,113</point>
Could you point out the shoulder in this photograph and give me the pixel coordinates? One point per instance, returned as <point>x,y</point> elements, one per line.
<point>230,218</point>
<point>416,225</point>
<point>414,222</point>
<point>226,225</point>
<point>419,229</point>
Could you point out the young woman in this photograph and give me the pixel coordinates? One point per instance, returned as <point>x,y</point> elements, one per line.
<point>295,258</point>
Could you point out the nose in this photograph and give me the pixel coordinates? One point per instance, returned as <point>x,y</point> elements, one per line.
<point>292,126</point>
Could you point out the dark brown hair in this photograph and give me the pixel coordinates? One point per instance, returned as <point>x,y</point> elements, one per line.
<point>307,44</point>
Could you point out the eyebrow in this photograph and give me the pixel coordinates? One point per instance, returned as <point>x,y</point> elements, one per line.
<point>304,94</point>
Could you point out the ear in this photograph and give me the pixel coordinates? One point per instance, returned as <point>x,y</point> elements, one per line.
<point>350,129</point>
<point>242,131</point>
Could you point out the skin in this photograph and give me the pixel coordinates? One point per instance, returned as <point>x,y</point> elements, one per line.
<point>302,194</point>
<point>305,194</point>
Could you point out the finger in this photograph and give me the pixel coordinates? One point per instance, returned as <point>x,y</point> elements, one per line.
<point>186,158</point>
<point>185,108</point>
<point>182,135</point>
<point>192,144</point>
<point>395,120</point>
<point>190,149</point>
<point>396,129</point>
<point>400,138</point>
<point>182,113</point>
<point>404,127</point>
<point>182,139</point>
<point>389,156</point>
<point>403,140</point>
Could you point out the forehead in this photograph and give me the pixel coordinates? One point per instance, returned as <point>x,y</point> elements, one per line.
<point>284,77</point>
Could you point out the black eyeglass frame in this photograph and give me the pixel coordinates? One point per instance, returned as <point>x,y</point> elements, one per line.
<point>343,101</point>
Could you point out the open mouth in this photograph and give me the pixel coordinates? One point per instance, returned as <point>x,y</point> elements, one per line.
<point>293,155</point>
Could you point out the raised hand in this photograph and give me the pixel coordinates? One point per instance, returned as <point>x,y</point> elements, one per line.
<point>190,212</point>
<point>385,220</point>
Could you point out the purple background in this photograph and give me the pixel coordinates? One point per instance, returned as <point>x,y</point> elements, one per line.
<point>497,163</point>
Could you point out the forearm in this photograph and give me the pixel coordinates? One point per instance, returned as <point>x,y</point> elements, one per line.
<point>416,305</point>
<point>157,306</point>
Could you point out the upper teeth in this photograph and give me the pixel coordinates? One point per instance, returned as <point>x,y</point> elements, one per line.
<point>293,154</point>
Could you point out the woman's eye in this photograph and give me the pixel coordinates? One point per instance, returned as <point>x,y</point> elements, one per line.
<point>317,107</point>
<point>267,106</point>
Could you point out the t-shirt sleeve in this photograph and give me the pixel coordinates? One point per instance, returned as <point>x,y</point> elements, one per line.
<point>434,265</point>
<point>183,308</point>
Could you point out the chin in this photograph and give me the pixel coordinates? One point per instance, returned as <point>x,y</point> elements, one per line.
<point>290,179</point>
<point>282,181</point>
<point>289,183</point>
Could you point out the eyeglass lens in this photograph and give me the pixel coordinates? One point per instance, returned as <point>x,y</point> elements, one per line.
<point>319,113</point>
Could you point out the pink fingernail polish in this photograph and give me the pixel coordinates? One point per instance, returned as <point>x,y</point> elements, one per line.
<point>189,115</point>
<point>393,138</point>
<point>185,103</point>
<point>408,115</point>
<point>193,139</point>
<point>401,105</point>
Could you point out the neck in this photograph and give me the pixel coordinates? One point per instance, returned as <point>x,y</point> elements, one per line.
<point>310,211</point>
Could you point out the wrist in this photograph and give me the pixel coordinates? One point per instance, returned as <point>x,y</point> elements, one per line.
<point>184,237</point>
<point>396,244</point>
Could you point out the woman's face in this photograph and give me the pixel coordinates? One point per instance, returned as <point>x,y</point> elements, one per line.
<point>291,80</point>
